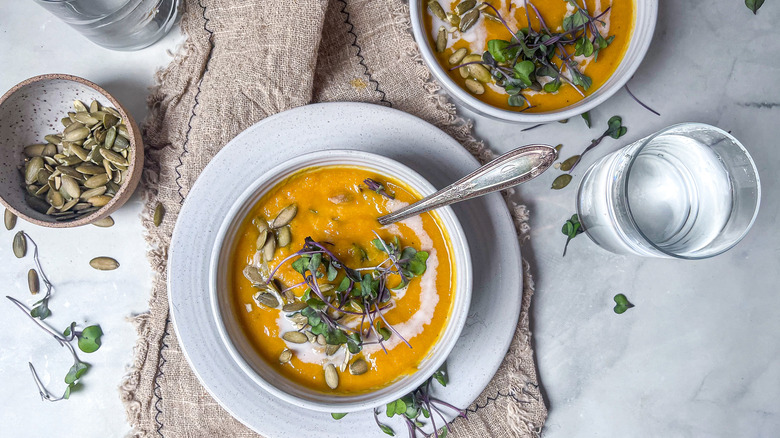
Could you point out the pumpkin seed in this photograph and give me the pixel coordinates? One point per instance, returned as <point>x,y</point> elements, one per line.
<point>310,336</point>
<point>100,200</point>
<point>469,19</point>
<point>110,120</point>
<point>33,282</point>
<point>20,245</point>
<point>458,56</point>
<point>285,356</point>
<point>50,150</point>
<point>266,299</point>
<point>253,275</point>
<point>569,163</point>
<point>85,118</point>
<point>53,138</point>
<point>106,222</point>
<point>104,263</point>
<point>321,339</point>
<point>122,131</point>
<point>94,106</point>
<point>34,150</point>
<point>76,134</point>
<point>330,350</point>
<point>474,86</point>
<point>31,169</point>
<point>10,219</point>
<point>66,121</point>
<point>454,20</point>
<point>294,337</point>
<point>121,142</point>
<point>261,239</point>
<point>70,204</point>
<point>71,186</point>
<point>464,72</point>
<point>299,319</point>
<point>260,223</point>
<point>90,169</point>
<point>55,199</point>
<point>437,10</point>
<point>283,236</point>
<point>110,137</point>
<point>331,376</point>
<point>561,182</point>
<point>79,106</point>
<point>465,6</point>
<point>269,248</point>
<point>441,40</point>
<point>113,157</point>
<point>479,73</point>
<point>358,367</point>
<point>92,193</point>
<point>294,306</point>
<point>285,216</point>
<point>159,214</point>
<point>113,111</point>
<point>96,181</point>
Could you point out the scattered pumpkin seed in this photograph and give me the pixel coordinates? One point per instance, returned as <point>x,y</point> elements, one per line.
<point>269,248</point>
<point>437,10</point>
<point>33,282</point>
<point>568,163</point>
<point>294,337</point>
<point>475,86</point>
<point>331,376</point>
<point>479,73</point>
<point>10,219</point>
<point>79,106</point>
<point>260,223</point>
<point>261,238</point>
<point>441,40</point>
<point>465,6</point>
<point>20,245</point>
<point>561,182</point>
<point>294,306</point>
<point>283,236</point>
<point>104,263</point>
<point>266,299</point>
<point>285,216</point>
<point>469,20</point>
<point>458,56</point>
<point>321,339</point>
<point>358,367</point>
<point>330,350</point>
<point>105,222</point>
<point>454,20</point>
<point>253,275</point>
<point>159,214</point>
<point>285,356</point>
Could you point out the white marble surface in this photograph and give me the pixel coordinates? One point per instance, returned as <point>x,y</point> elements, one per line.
<point>699,355</point>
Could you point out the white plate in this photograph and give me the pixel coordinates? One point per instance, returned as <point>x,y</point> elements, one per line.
<point>496,297</point>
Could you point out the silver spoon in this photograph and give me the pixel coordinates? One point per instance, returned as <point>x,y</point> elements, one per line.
<point>514,167</point>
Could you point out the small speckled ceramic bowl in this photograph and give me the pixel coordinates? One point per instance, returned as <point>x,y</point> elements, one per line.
<point>33,109</point>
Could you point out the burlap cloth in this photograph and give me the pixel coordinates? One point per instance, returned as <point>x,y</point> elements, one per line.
<point>243,61</point>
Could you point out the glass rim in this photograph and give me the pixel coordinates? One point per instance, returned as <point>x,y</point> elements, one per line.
<point>734,141</point>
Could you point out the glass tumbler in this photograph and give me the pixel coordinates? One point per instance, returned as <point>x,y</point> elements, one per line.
<point>689,191</point>
<point>117,24</point>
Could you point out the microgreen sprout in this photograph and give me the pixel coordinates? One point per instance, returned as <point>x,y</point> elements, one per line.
<point>621,304</point>
<point>571,229</point>
<point>754,5</point>
<point>418,405</point>
<point>362,294</point>
<point>378,187</point>
<point>520,62</point>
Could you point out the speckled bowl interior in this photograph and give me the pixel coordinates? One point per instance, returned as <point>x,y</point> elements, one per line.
<point>33,109</point>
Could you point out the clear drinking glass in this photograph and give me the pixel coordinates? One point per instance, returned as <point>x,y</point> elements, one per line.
<point>690,191</point>
<point>117,24</point>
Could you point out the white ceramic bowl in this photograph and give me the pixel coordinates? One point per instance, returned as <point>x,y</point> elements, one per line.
<point>256,367</point>
<point>645,14</point>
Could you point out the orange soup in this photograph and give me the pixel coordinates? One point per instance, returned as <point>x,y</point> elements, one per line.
<point>318,230</point>
<point>594,60</point>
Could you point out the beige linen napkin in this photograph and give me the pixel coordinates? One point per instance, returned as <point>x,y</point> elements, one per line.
<point>243,61</point>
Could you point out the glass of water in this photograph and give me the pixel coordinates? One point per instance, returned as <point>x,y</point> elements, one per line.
<point>117,24</point>
<point>690,191</point>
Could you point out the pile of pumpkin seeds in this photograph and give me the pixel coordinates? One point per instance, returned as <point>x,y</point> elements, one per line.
<point>79,170</point>
<point>463,17</point>
<point>276,233</point>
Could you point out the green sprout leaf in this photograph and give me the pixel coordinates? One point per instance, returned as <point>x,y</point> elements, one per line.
<point>40,309</point>
<point>586,117</point>
<point>523,71</point>
<point>583,47</point>
<point>621,304</point>
<point>76,371</point>
<point>386,429</point>
<point>443,432</point>
<point>553,86</point>
<point>338,416</point>
<point>69,330</point>
<point>89,339</point>
<point>441,377</point>
<point>754,5</point>
<point>571,229</point>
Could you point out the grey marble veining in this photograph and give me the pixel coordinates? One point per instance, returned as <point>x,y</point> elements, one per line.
<point>698,356</point>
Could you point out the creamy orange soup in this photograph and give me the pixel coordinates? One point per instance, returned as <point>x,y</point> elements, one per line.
<point>335,207</point>
<point>618,21</point>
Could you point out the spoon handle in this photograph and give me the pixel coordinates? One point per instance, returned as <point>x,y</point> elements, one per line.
<point>514,167</point>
